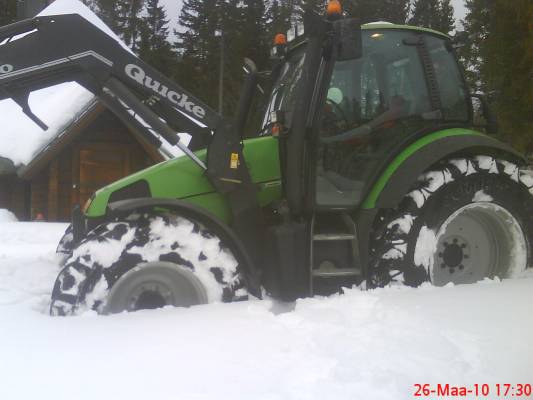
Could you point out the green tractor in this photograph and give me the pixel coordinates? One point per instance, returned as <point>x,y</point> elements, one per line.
<point>367,171</point>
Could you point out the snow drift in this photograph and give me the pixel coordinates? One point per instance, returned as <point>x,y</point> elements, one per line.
<point>361,345</point>
<point>7,216</point>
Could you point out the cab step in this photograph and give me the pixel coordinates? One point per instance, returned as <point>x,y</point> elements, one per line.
<point>334,253</point>
<point>333,236</point>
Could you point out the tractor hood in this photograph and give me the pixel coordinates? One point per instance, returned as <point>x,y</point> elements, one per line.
<point>181,178</point>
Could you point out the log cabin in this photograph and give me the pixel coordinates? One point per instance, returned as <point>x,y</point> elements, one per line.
<point>90,151</point>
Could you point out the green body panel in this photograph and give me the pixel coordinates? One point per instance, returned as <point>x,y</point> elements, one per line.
<point>370,201</point>
<point>181,178</point>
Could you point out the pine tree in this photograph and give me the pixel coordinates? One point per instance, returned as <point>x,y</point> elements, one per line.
<point>255,42</point>
<point>107,11</point>
<point>434,14</point>
<point>123,17</point>
<point>498,54</point>
<point>507,68</point>
<point>447,18</point>
<point>278,18</point>
<point>317,6</point>
<point>199,48</point>
<point>130,21</point>
<point>476,30</point>
<point>395,11</point>
<point>154,47</point>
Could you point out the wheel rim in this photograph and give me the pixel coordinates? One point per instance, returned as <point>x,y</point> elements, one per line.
<point>479,240</point>
<point>155,285</point>
<point>149,296</point>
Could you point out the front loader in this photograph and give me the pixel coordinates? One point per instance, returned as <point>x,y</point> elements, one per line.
<point>367,170</point>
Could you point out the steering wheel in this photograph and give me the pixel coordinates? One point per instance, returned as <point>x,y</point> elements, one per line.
<point>338,111</point>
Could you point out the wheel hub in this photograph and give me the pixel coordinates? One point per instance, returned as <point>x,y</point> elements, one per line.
<point>149,297</point>
<point>149,301</point>
<point>453,254</point>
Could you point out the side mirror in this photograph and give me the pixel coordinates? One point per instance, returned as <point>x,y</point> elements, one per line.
<point>483,110</point>
<point>349,39</point>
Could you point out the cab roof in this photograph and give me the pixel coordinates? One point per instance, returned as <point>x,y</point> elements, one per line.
<point>387,25</point>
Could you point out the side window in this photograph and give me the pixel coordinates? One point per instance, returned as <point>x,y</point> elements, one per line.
<point>372,104</point>
<point>453,91</point>
<point>371,96</point>
<point>400,85</point>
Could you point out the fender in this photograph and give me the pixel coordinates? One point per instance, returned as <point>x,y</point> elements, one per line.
<point>124,207</point>
<point>396,180</point>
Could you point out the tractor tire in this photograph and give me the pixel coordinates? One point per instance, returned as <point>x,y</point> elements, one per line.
<point>145,262</point>
<point>464,220</point>
<point>66,244</point>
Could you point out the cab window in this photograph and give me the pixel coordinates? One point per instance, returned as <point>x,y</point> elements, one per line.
<point>371,103</point>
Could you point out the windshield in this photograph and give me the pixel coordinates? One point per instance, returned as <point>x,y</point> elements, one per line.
<point>388,83</point>
<point>284,92</point>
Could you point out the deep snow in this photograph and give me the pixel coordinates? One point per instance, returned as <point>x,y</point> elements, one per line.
<point>7,216</point>
<point>361,345</point>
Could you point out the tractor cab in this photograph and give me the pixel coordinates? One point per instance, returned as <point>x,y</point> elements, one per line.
<point>400,83</point>
<point>348,103</point>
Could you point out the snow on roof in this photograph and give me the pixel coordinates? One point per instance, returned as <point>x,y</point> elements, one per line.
<point>20,138</point>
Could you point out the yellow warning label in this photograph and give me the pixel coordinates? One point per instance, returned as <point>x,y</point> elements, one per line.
<point>234,164</point>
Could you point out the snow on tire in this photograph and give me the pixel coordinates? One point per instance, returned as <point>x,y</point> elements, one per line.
<point>66,244</point>
<point>112,249</point>
<point>464,220</point>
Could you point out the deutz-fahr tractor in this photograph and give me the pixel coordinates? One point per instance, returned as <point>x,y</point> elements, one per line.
<point>367,170</point>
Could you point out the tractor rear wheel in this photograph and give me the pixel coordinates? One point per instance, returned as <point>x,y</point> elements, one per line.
<point>146,262</point>
<point>465,220</point>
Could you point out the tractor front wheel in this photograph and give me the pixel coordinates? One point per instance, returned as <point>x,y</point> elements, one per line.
<point>465,220</point>
<point>146,262</point>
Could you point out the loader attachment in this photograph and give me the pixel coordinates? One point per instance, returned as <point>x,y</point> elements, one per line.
<point>39,53</point>
<point>43,52</point>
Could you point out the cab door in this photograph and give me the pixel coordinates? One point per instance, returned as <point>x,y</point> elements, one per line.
<point>373,104</point>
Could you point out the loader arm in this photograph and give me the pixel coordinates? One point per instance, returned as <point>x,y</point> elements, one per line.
<point>49,50</point>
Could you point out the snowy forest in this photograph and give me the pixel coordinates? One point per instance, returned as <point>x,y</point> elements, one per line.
<point>494,42</point>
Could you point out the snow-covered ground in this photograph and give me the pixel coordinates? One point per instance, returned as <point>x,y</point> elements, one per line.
<point>361,345</point>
